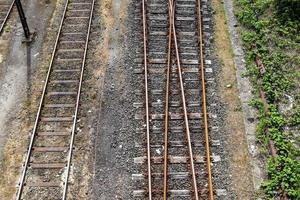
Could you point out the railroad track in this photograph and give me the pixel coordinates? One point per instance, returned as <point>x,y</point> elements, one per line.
<point>48,161</point>
<point>175,160</point>
<point>6,6</point>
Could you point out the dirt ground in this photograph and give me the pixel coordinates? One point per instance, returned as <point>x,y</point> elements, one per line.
<point>20,59</point>
<point>113,136</point>
<point>240,164</point>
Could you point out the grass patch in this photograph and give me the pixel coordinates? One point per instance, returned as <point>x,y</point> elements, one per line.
<point>270,34</point>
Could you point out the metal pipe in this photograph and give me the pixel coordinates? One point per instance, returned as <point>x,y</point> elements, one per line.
<point>23,19</point>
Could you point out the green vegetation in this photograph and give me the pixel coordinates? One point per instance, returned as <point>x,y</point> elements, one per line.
<point>271,34</point>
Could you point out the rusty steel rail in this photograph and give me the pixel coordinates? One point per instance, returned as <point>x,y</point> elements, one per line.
<point>7,16</point>
<point>166,125</point>
<point>172,32</point>
<point>204,104</point>
<point>42,100</point>
<point>147,101</point>
<point>175,62</point>
<point>186,120</point>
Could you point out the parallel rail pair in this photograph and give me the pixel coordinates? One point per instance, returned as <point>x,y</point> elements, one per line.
<point>180,20</point>
<point>47,165</point>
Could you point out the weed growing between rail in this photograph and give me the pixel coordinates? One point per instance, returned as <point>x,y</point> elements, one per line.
<point>272,42</point>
